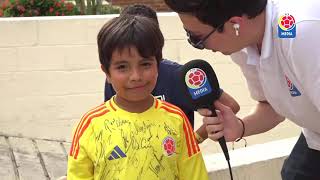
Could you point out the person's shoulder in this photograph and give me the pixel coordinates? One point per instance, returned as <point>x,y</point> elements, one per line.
<point>168,75</point>
<point>305,18</point>
<point>169,64</point>
<point>97,111</point>
<point>87,119</point>
<point>298,11</point>
<point>168,70</point>
<point>168,81</point>
<point>81,131</point>
<point>171,110</point>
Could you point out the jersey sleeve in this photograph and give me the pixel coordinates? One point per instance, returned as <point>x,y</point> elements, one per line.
<point>191,164</point>
<point>304,59</point>
<point>108,91</point>
<point>80,166</point>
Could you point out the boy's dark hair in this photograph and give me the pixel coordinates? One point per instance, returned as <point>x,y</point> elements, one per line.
<point>140,10</point>
<point>217,12</point>
<point>130,31</point>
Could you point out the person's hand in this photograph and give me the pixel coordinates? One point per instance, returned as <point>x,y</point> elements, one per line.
<point>225,124</point>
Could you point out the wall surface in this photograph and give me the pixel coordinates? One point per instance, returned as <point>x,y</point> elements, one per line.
<point>50,75</point>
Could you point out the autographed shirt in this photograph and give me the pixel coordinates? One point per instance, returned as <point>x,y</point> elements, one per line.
<point>111,143</point>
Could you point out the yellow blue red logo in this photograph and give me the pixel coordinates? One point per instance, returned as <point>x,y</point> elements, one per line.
<point>197,83</point>
<point>286,26</point>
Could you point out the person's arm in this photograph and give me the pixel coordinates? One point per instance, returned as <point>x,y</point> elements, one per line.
<point>80,166</point>
<point>190,162</point>
<point>225,99</point>
<point>229,101</point>
<point>262,119</point>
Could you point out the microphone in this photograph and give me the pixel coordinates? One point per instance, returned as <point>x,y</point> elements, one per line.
<point>200,84</point>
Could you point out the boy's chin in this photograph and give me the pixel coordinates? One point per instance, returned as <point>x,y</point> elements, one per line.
<point>137,98</point>
<point>134,97</point>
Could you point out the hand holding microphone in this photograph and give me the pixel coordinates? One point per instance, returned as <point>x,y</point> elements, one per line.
<point>225,124</point>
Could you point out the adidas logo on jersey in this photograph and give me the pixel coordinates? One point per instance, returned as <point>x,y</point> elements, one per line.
<point>117,153</point>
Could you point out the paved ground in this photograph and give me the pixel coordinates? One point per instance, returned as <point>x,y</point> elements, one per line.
<point>32,159</point>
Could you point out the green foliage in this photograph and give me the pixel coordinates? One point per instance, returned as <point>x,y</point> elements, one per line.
<point>27,8</point>
<point>96,7</point>
<point>109,9</point>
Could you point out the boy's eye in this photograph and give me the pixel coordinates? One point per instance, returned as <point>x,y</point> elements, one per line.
<point>121,67</point>
<point>146,64</point>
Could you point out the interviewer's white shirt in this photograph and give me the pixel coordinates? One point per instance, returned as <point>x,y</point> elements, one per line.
<point>297,58</point>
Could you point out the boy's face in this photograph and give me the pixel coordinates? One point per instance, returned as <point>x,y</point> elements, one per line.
<point>133,77</point>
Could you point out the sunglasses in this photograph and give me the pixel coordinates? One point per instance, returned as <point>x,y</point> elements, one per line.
<point>199,43</point>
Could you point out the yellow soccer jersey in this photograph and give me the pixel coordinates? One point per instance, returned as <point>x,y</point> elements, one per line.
<point>110,143</point>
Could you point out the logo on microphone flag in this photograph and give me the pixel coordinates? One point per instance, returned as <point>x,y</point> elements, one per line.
<point>197,83</point>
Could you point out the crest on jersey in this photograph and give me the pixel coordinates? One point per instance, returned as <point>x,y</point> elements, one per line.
<point>169,146</point>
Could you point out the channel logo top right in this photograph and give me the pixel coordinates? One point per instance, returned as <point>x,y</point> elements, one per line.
<point>286,26</point>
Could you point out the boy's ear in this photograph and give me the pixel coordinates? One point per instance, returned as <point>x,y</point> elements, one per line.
<point>105,71</point>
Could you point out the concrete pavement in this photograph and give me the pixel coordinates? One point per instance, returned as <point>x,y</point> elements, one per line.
<point>32,159</point>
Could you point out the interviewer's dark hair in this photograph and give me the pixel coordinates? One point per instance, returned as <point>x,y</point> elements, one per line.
<point>130,31</point>
<point>216,12</point>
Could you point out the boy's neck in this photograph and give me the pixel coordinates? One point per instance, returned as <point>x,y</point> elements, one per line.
<point>134,106</point>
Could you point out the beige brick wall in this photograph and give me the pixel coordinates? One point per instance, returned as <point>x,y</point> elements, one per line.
<point>50,73</point>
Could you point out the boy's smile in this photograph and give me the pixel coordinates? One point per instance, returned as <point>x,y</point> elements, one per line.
<point>133,78</point>
<point>137,88</point>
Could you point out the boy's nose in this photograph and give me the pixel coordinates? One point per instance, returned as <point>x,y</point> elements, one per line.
<point>135,75</point>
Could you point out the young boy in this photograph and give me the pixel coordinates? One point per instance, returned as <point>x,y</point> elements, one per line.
<point>165,88</point>
<point>168,71</point>
<point>134,135</point>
